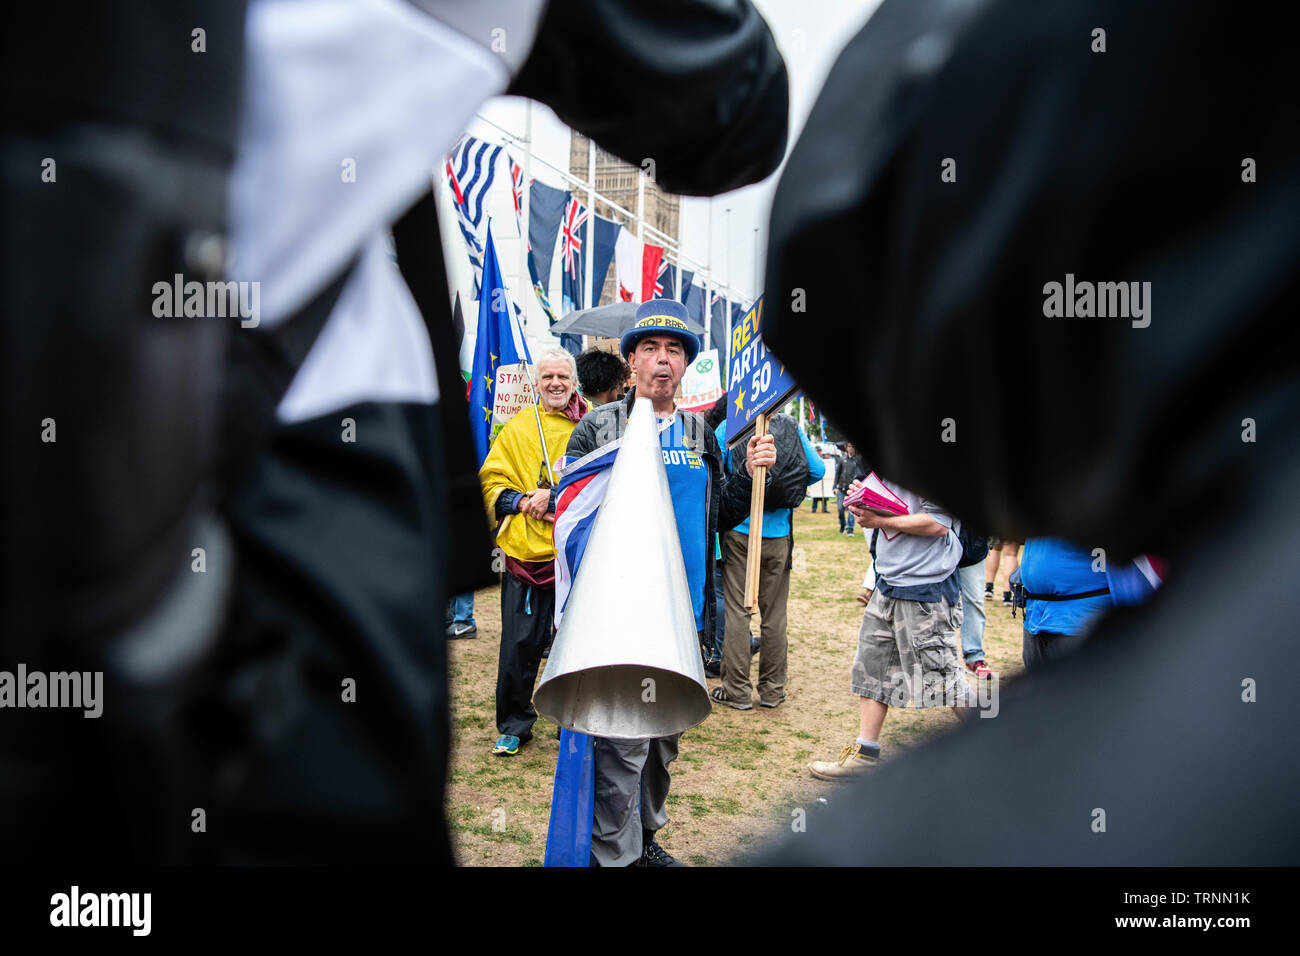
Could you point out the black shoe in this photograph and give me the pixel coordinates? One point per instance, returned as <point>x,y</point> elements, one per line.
<point>753,645</point>
<point>455,631</point>
<point>1006,598</point>
<point>988,588</point>
<point>652,854</point>
<point>713,668</point>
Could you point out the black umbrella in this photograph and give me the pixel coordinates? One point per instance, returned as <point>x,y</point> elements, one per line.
<point>610,321</point>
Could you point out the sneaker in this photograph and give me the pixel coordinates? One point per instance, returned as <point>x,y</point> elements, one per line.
<point>852,763</point>
<point>456,631</point>
<point>1006,598</point>
<point>981,670</point>
<point>988,588</point>
<point>713,668</point>
<point>776,703</point>
<point>652,854</point>
<point>507,744</point>
<point>721,697</point>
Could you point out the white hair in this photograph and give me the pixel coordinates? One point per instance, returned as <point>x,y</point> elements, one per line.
<point>556,354</point>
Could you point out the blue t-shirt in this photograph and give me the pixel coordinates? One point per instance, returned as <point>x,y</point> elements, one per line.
<point>1055,566</point>
<point>688,483</point>
<point>776,523</point>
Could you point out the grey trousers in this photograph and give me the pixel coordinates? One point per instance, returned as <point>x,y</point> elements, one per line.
<point>626,771</point>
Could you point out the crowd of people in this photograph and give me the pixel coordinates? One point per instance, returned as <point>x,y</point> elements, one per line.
<point>922,589</point>
<point>249,526</point>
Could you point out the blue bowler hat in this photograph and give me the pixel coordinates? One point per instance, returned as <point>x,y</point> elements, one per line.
<point>660,317</point>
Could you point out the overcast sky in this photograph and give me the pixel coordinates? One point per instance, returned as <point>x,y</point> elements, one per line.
<point>810,35</point>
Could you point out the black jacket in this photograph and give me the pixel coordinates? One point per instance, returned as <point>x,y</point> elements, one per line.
<point>847,470</point>
<point>728,496</point>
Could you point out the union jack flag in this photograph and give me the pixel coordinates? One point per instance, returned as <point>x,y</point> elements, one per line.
<point>573,274</point>
<point>517,188</point>
<point>661,279</point>
<point>575,217</point>
<point>579,495</point>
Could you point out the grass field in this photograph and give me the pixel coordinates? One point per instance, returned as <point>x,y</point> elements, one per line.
<point>740,774</point>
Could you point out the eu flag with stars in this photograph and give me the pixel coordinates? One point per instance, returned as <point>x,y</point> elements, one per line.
<point>494,347</point>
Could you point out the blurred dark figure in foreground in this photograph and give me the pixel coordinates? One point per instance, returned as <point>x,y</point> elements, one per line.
<point>1101,200</point>
<point>331,494</point>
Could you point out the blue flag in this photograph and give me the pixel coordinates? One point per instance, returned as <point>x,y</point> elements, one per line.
<point>693,299</point>
<point>494,347</point>
<point>719,330</point>
<point>606,237</point>
<point>545,210</point>
<point>568,839</point>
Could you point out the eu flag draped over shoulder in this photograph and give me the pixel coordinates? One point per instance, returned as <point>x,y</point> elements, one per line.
<point>494,347</point>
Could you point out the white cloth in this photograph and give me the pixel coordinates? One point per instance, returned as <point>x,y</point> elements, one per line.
<point>332,86</point>
<point>349,106</point>
<point>374,347</point>
<point>628,252</point>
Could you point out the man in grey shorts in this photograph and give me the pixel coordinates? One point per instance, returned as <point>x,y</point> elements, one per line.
<point>907,647</point>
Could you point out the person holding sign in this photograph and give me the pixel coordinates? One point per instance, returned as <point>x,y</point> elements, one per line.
<point>517,490</point>
<point>777,536</point>
<point>632,777</point>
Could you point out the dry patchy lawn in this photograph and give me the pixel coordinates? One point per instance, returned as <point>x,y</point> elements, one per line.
<point>740,773</point>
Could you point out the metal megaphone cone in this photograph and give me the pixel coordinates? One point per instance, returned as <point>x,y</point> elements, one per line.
<point>625,663</point>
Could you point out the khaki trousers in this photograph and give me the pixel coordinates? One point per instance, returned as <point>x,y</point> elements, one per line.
<point>773,590</point>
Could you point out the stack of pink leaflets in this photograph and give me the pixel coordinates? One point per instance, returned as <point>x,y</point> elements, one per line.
<point>876,498</point>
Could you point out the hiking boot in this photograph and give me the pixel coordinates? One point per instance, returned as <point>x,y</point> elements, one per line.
<point>852,763</point>
<point>652,854</point>
<point>713,668</point>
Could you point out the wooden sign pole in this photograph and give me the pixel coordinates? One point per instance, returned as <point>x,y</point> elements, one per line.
<point>755,553</point>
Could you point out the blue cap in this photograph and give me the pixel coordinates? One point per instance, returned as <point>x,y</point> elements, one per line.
<point>660,317</point>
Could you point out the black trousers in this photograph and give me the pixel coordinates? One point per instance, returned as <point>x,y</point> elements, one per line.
<point>1045,648</point>
<point>527,624</point>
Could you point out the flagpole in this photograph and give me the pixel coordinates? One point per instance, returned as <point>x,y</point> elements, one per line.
<point>532,387</point>
<point>524,204</point>
<point>524,361</point>
<point>706,314</point>
<point>589,247</point>
<point>727,302</point>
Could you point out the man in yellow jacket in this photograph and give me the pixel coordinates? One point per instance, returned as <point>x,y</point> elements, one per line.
<point>517,491</point>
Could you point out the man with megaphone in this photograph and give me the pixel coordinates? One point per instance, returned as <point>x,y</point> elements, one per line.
<point>634,772</point>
